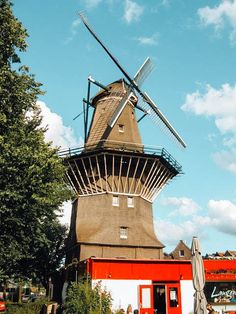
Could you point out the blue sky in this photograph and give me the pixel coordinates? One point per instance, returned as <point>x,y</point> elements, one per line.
<point>193,47</point>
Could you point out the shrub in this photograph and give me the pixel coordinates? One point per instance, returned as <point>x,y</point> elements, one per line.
<point>83,299</point>
<point>26,308</point>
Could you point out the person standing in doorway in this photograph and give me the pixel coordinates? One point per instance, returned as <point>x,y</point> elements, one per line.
<point>160,300</point>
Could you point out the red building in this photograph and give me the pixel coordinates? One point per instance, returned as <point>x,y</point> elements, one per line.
<point>149,284</point>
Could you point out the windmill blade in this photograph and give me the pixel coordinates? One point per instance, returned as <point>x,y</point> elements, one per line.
<point>134,84</point>
<point>78,115</point>
<point>160,119</point>
<point>143,72</point>
<point>105,48</point>
<point>131,81</point>
<point>120,108</point>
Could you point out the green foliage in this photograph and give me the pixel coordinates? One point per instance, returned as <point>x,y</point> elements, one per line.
<point>82,299</point>
<point>12,35</point>
<point>26,308</point>
<point>31,173</point>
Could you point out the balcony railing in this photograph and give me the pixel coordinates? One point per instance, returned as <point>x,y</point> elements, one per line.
<point>122,146</point>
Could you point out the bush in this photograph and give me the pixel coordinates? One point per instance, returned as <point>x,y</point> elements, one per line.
<point>26,308</point>
<point>83,299</point>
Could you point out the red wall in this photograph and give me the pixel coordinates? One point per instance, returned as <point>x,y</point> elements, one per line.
<point>140,269</point>
<point>220,270</point>
<point>158,270</point>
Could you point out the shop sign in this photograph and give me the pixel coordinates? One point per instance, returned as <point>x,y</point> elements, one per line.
<point>220,292</point>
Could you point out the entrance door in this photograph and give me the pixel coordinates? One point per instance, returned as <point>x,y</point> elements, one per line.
<point>173,298</point>
<point>159,297</point>
<point>146,299</point>
<point>163,298</point>
<point>166,298</point>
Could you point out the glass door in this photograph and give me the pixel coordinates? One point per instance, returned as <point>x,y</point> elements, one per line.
<point>146,299</point>
<point>173,298</point>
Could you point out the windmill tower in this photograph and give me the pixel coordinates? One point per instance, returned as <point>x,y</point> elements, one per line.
<point>115,177</point>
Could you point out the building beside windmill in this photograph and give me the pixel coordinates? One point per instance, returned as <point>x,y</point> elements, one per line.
<point>180,252</point>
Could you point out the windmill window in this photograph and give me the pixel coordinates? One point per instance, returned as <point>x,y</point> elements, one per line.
<point>130,201</point>
<point>123,233</point>
<point>181,253</point>
<point>121,128</point>
<point>115,200</point>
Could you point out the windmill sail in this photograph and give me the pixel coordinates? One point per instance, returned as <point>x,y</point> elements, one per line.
<point>105,48</point>
<point>134,84</point>
<point>143,72</point>
<point>160,120</point>
<point>120,108</point>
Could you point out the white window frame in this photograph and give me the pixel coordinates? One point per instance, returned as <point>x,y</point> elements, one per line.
<point>123,232</point>
<point>115,200</point>
<point>130,201</point>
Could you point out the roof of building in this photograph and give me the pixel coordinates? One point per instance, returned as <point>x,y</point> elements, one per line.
<point>182,251</point>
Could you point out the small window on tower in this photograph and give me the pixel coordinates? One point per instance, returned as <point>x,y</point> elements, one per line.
<point>123,233</point>
<point>130,201</point>
<point>121,128</point>
<point>115,200</point>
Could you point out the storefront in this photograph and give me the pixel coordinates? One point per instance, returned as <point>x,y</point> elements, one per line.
<point>220,288</point>
<point>163,286</point>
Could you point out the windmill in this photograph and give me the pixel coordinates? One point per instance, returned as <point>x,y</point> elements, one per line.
<point>115,177</point>
<point>146,105</point>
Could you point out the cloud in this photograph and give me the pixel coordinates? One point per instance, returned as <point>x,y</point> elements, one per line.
<point>133,11</point>
<point>223,215</point>
<point>219,16</point>
<point>226,160</point>
<point>90,4</point>
<point>185,206</point>
<point>151,41</point>
<point>165,3</point>
<point>65,214</point>
<point>187,224</point>
<point>75,24</point>
<point>219,215</point>
<point>73,30</point>
<point>219,104</point>
<point>57,133</point>
<point>180,231</point>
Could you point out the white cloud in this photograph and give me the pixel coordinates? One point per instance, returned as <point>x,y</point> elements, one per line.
<point>133,11</point>
<point>189,223</point>
<point>90,4</point>
<point>185,206</point>
<point>219,16</point>
<point>219,104</point>
<point>220,215</point>
<point>151,41</point>
<point>57,132</point>
<point>75,24</point>
<point>59,135</point>
<point>226,159</point>
<point>223,215</point>
<point>165,3</point>
<point>181,231</point>
<point>65,214</point>
<point>74,28</point>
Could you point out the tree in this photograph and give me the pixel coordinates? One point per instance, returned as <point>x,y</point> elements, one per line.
<point>82,299</point>
<point>32,188</point>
